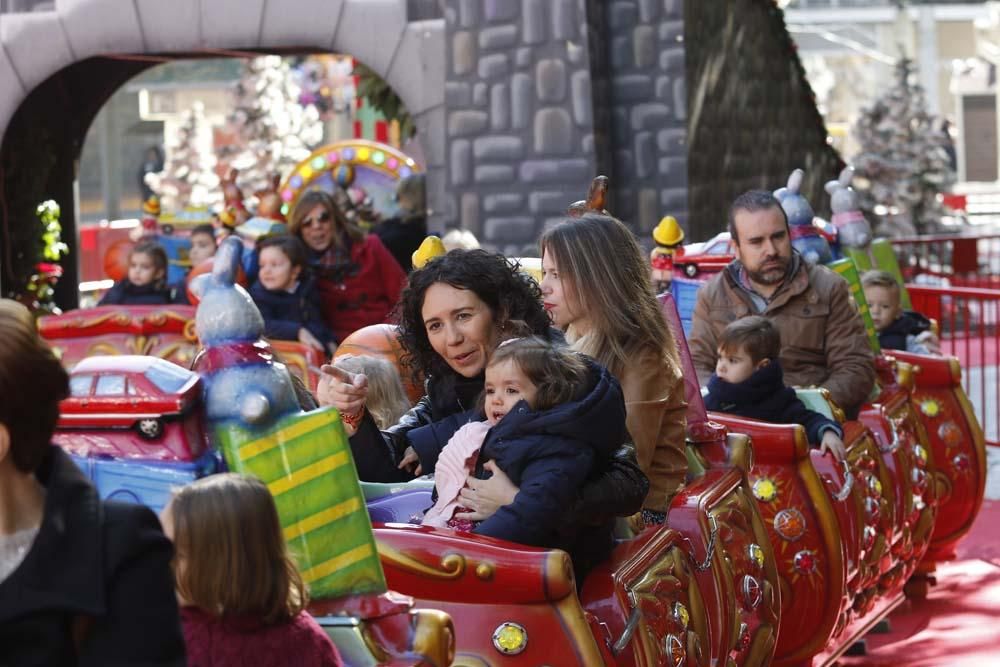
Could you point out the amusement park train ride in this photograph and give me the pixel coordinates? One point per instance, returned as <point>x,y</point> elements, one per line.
<point>771,553</point>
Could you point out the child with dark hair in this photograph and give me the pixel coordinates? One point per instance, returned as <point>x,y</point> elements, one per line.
<point>145,284</point>
<point>287,297</point>
<point>550,414</point>
<point>898,329</point>
<point>748,382</point>
<point>203,244</point>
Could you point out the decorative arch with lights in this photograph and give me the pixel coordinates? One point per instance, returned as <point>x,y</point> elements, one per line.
<point>370,166</point>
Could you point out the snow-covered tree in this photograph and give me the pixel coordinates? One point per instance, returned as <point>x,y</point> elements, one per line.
<point>188,177</point>
<point>903,163</point>
<point>273,130</point>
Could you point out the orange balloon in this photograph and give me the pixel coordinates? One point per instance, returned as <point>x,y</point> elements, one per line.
<point>116,259</point>
<point>206,267</point>
<point>381,340</point>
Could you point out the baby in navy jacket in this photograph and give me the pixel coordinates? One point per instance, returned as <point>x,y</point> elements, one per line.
<point>748,382</point>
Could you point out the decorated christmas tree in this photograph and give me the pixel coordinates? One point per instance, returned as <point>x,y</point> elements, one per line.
<point>903,163</point>
<point>188,177</point>
<point>273,131</point>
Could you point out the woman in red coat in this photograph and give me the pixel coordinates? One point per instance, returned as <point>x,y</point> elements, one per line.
<point>359,280</point>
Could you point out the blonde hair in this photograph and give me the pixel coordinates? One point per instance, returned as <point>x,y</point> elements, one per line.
<point>601,263</point>
<point>882,279</point>
<point>460,238</point>
<point>387,400</point>
<point>231,556</point>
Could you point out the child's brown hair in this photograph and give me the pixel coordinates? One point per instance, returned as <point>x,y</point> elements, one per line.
<point>231,556</point>
<point>289,245</point>
<point>558,373</point>
<point>755,334</point>
<point>155,252</point>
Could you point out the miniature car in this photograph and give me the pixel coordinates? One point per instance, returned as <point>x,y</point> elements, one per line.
<point>712,255</point>
<point>128,392</point>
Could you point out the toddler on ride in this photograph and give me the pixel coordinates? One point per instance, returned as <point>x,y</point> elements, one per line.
<point>748,382</point>
<point>550,414</point>
<point>146,281</point>
<point>242,598</point>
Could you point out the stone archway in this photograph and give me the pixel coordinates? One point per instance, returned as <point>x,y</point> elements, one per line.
<point>410,56</point>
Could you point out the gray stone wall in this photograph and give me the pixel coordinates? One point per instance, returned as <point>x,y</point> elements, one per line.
<point>648,103</point>
<point>542,95</point>
<point>520,144</point>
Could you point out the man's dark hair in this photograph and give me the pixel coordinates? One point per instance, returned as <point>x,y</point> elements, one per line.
<point>755,334</point>
<point>753,201</point>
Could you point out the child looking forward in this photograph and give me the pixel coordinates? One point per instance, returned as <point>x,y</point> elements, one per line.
<point>748,382</point>
<point>145,283</point>
<point>898,329</point>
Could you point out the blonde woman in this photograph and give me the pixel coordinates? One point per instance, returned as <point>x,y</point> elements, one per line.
<point>596,287</point>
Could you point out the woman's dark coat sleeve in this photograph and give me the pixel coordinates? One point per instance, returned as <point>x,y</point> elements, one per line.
<point>141,626</point>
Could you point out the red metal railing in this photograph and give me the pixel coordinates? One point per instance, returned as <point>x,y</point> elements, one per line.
<point>964,261</point>
<point>969,319</point>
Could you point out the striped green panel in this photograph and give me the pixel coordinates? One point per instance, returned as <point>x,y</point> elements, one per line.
<point>305,460</point>
<point>849,271</point>
<point>880,255</point>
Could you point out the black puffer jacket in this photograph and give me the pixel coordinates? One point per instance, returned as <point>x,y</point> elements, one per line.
<point>616,486</point>
<point>548,454</point>
<point>764,396</point>
<point>910,323</point>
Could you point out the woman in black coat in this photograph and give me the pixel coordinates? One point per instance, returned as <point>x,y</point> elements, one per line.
<point>82,582</point>
<point>451,314</point>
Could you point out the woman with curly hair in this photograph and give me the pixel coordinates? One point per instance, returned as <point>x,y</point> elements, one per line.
<point>359,281</point>
<point>452,314</point>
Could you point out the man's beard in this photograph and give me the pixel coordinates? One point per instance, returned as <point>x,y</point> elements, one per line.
<point>770,276</point>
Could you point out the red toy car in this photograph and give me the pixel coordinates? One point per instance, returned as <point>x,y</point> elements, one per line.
<point>712,255</point>
<point>124,392</point>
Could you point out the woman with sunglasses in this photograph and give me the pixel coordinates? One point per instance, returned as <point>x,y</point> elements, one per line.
<point>359,280</point>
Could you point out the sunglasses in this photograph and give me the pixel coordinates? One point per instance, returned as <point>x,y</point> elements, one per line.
<point>324,218</point>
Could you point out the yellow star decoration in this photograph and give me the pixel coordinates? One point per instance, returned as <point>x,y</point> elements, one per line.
<point>765,490</point>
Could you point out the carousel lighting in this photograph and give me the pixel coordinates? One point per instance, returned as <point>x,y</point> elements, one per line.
<point>789,524</point>
<point>510,638</point>
<point>681,615</point>
<point>765,490</point>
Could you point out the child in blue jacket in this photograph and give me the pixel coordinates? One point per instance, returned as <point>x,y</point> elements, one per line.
<point>748,382</point>
<point>286,296</point>
<point>550,414</point>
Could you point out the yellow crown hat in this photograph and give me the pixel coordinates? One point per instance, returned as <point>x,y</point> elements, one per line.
<point>668,232</point>
<point>151,206</point>
<point>227,217</point>
<point>428,250</point>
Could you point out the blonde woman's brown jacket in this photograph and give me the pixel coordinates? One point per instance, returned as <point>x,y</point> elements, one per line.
<point>823,339</point>
<point>656,419</point>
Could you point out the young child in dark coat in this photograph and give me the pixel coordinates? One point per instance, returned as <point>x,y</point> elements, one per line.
<point>146,281</point>
<point>748,382</point>
<point>550,414</point>
<point>898,329</point>
<point>287,297</point>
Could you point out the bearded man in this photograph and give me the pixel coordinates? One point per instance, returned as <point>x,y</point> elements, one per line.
<point>823,337</point>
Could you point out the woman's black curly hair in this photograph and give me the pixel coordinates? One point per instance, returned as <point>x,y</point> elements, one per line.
<point>510,295</point>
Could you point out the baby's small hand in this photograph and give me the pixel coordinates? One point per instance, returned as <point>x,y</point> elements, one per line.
<point>411,462</point>
<point>930,341</point>
<point>832,443</point>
